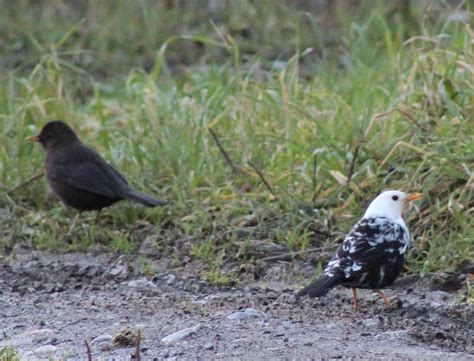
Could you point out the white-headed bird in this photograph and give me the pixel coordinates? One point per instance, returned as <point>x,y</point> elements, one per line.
<point>374,251</point>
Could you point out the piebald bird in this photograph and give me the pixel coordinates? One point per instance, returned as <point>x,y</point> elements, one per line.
<point>374,251</point>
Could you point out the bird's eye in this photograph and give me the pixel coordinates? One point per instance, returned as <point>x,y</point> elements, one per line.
<point>395,198</point>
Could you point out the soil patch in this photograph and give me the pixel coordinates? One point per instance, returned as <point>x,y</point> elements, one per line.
<point>51,304</point>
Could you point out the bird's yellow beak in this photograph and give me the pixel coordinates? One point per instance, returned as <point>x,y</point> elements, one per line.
<point>413,197</point>
<point>32,138</point>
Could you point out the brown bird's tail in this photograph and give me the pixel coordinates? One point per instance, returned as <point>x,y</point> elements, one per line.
<point>144,199</point>
<point>319,287</point>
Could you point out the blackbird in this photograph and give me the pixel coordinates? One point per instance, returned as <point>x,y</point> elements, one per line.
<point>79,176</point>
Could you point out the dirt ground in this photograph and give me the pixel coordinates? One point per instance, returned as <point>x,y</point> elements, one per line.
<point>50,304</point>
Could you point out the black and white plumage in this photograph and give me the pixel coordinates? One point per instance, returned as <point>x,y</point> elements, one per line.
<point>374,251</point>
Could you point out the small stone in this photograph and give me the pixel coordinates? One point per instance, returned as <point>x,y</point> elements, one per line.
<point>370,322</point>
<point>184,246</point>
<point>41,351</point>
<point>55,288</point>
<point>182,334</point>
<point>141,283</point>
<point>120,269</point>
<point>248,220</point>
<point>148,246</point>
<point>247,314</point>
<point>261,248</point>
<point>209,346</point>
<point>439,298</point>
<point>98,249</point>
<point>105,346</point>
<point>102,338</point>
<point>333,327</point>
<point>91,271</point>
<point>446,282</point>
<point>169,279</point>
<point>392,335</point>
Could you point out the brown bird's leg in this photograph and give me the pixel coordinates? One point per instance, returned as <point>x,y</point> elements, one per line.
<point>354,293</point>
<point>97,217</point>
<point>73,224</point>
<point>386,300</point>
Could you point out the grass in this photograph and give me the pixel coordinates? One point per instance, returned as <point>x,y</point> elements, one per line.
<point>9,354</point>
<point>312,134</point>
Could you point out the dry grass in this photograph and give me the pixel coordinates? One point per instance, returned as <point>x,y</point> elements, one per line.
<point>309,139</point>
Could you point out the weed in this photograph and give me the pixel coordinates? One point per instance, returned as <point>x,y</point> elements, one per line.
<point>9,354</point>
<point>314,130</point>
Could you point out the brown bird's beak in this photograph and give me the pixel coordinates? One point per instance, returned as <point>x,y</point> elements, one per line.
<point>413,197</point>
<point>32,138</point>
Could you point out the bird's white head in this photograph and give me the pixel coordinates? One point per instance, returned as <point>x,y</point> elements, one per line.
<point>390,204</point>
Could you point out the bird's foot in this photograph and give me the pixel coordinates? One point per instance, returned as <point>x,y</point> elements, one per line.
<point>67,239</point>
<point>389,305</point>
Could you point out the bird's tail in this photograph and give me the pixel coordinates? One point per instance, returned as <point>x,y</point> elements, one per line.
<point>144,199</point>
<point>319,287</point>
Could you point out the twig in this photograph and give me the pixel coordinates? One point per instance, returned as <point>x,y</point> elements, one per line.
<point>406,145</point>
<point>351,168</point>
<point>292,254</point>
<point>262,178</point>
<point>8,198</point>
<point>375,118</point>
<point>410,117</point>
<point>313,178</point>
<point>137,346</point>
<point>223,152</point>
<point>89,352</point>
<point>35,177</point>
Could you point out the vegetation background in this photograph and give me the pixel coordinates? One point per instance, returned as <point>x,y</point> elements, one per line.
<point>317,105</point>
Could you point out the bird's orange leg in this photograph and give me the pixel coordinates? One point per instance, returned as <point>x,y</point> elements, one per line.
<point>386,300</point>
<point>354,293</point>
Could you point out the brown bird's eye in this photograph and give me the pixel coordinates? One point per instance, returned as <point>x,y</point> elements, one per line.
<point>395,198</point>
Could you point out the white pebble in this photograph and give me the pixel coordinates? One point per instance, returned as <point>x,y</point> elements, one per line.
<point>182,334</point>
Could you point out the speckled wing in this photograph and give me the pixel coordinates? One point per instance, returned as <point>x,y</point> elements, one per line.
<point>372,254</point>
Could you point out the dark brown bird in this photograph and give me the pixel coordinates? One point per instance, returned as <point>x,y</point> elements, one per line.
<point>79,176</point>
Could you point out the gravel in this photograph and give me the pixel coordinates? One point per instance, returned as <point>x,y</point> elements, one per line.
<point>50,304</point>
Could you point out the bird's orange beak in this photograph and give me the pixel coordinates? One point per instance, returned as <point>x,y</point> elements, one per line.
<point>32,138</point>
<point>413,197</point>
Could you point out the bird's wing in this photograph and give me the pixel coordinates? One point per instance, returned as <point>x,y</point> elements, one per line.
<point>116,172</point>
<point>368,241</point>
<point>86,176</point>
<point>83,168</point>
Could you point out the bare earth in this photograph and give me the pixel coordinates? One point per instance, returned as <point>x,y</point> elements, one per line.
<point>50,304</point>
